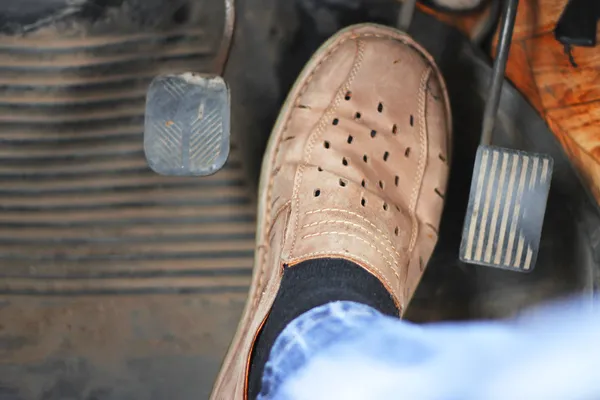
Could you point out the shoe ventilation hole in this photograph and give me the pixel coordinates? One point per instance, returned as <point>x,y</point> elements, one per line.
<point>407,152</point>
<point>305,107</point>
<point>348,96</point>
<point>438,193</point>
<point>381,184</point>
<point>350,138</point>
<point>385,206</point>
<point>363,183</point>
<point>380,107</point>
<point>394,129</point>
<point>385,156</point>
<point>412,120</point>
<point>342,183</point>
<point>442,157</point>
<point>319,169</point>
<point>326,144</point>
<point>317,192</point>
<point>357,115</point>
<point>396,231</point>
<point>335,121</point>
<point>373,133</point>
<point>396,180</point>
<point>363,202</point>
<point>344,161</point>
<point>289,138</point>
<point>365,158</point>
<point>397,208</point>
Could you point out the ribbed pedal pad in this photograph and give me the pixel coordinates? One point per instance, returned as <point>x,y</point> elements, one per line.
<point>507,202</point>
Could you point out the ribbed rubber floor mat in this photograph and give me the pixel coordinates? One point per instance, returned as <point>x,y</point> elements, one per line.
<point>77,199</point>
<point>116,282</point>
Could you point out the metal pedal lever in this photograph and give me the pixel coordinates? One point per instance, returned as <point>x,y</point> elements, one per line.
<point>187,124</point>
<point>509,188</point>
<point>406,14</point>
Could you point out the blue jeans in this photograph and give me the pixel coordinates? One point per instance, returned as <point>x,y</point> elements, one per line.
<point>346,350</point>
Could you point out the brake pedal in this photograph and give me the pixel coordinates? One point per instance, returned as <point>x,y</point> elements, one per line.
<point>187,124</point>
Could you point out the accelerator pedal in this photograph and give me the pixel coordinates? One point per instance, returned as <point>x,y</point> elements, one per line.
<point>509,189</point>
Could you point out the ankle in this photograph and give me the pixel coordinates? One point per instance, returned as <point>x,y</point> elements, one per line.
<point>311,284</point>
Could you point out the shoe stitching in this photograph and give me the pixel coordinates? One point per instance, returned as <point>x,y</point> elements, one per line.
<point>285,206</point>
<point>421,164</point>
<point>389,249</point>
<point>354,215</point>
<point>316,134</point>
<point>352,235</point>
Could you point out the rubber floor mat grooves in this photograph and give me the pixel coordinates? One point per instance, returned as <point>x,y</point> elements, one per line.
<point>80,212</point>
<point>115,282</point>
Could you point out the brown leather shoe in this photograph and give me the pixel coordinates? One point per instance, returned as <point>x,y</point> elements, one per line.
<point>356,168</point>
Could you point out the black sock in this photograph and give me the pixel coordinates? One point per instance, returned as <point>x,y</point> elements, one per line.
<point>308,285</point>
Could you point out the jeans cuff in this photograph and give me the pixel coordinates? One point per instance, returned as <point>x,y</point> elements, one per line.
<point>307,335</point>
